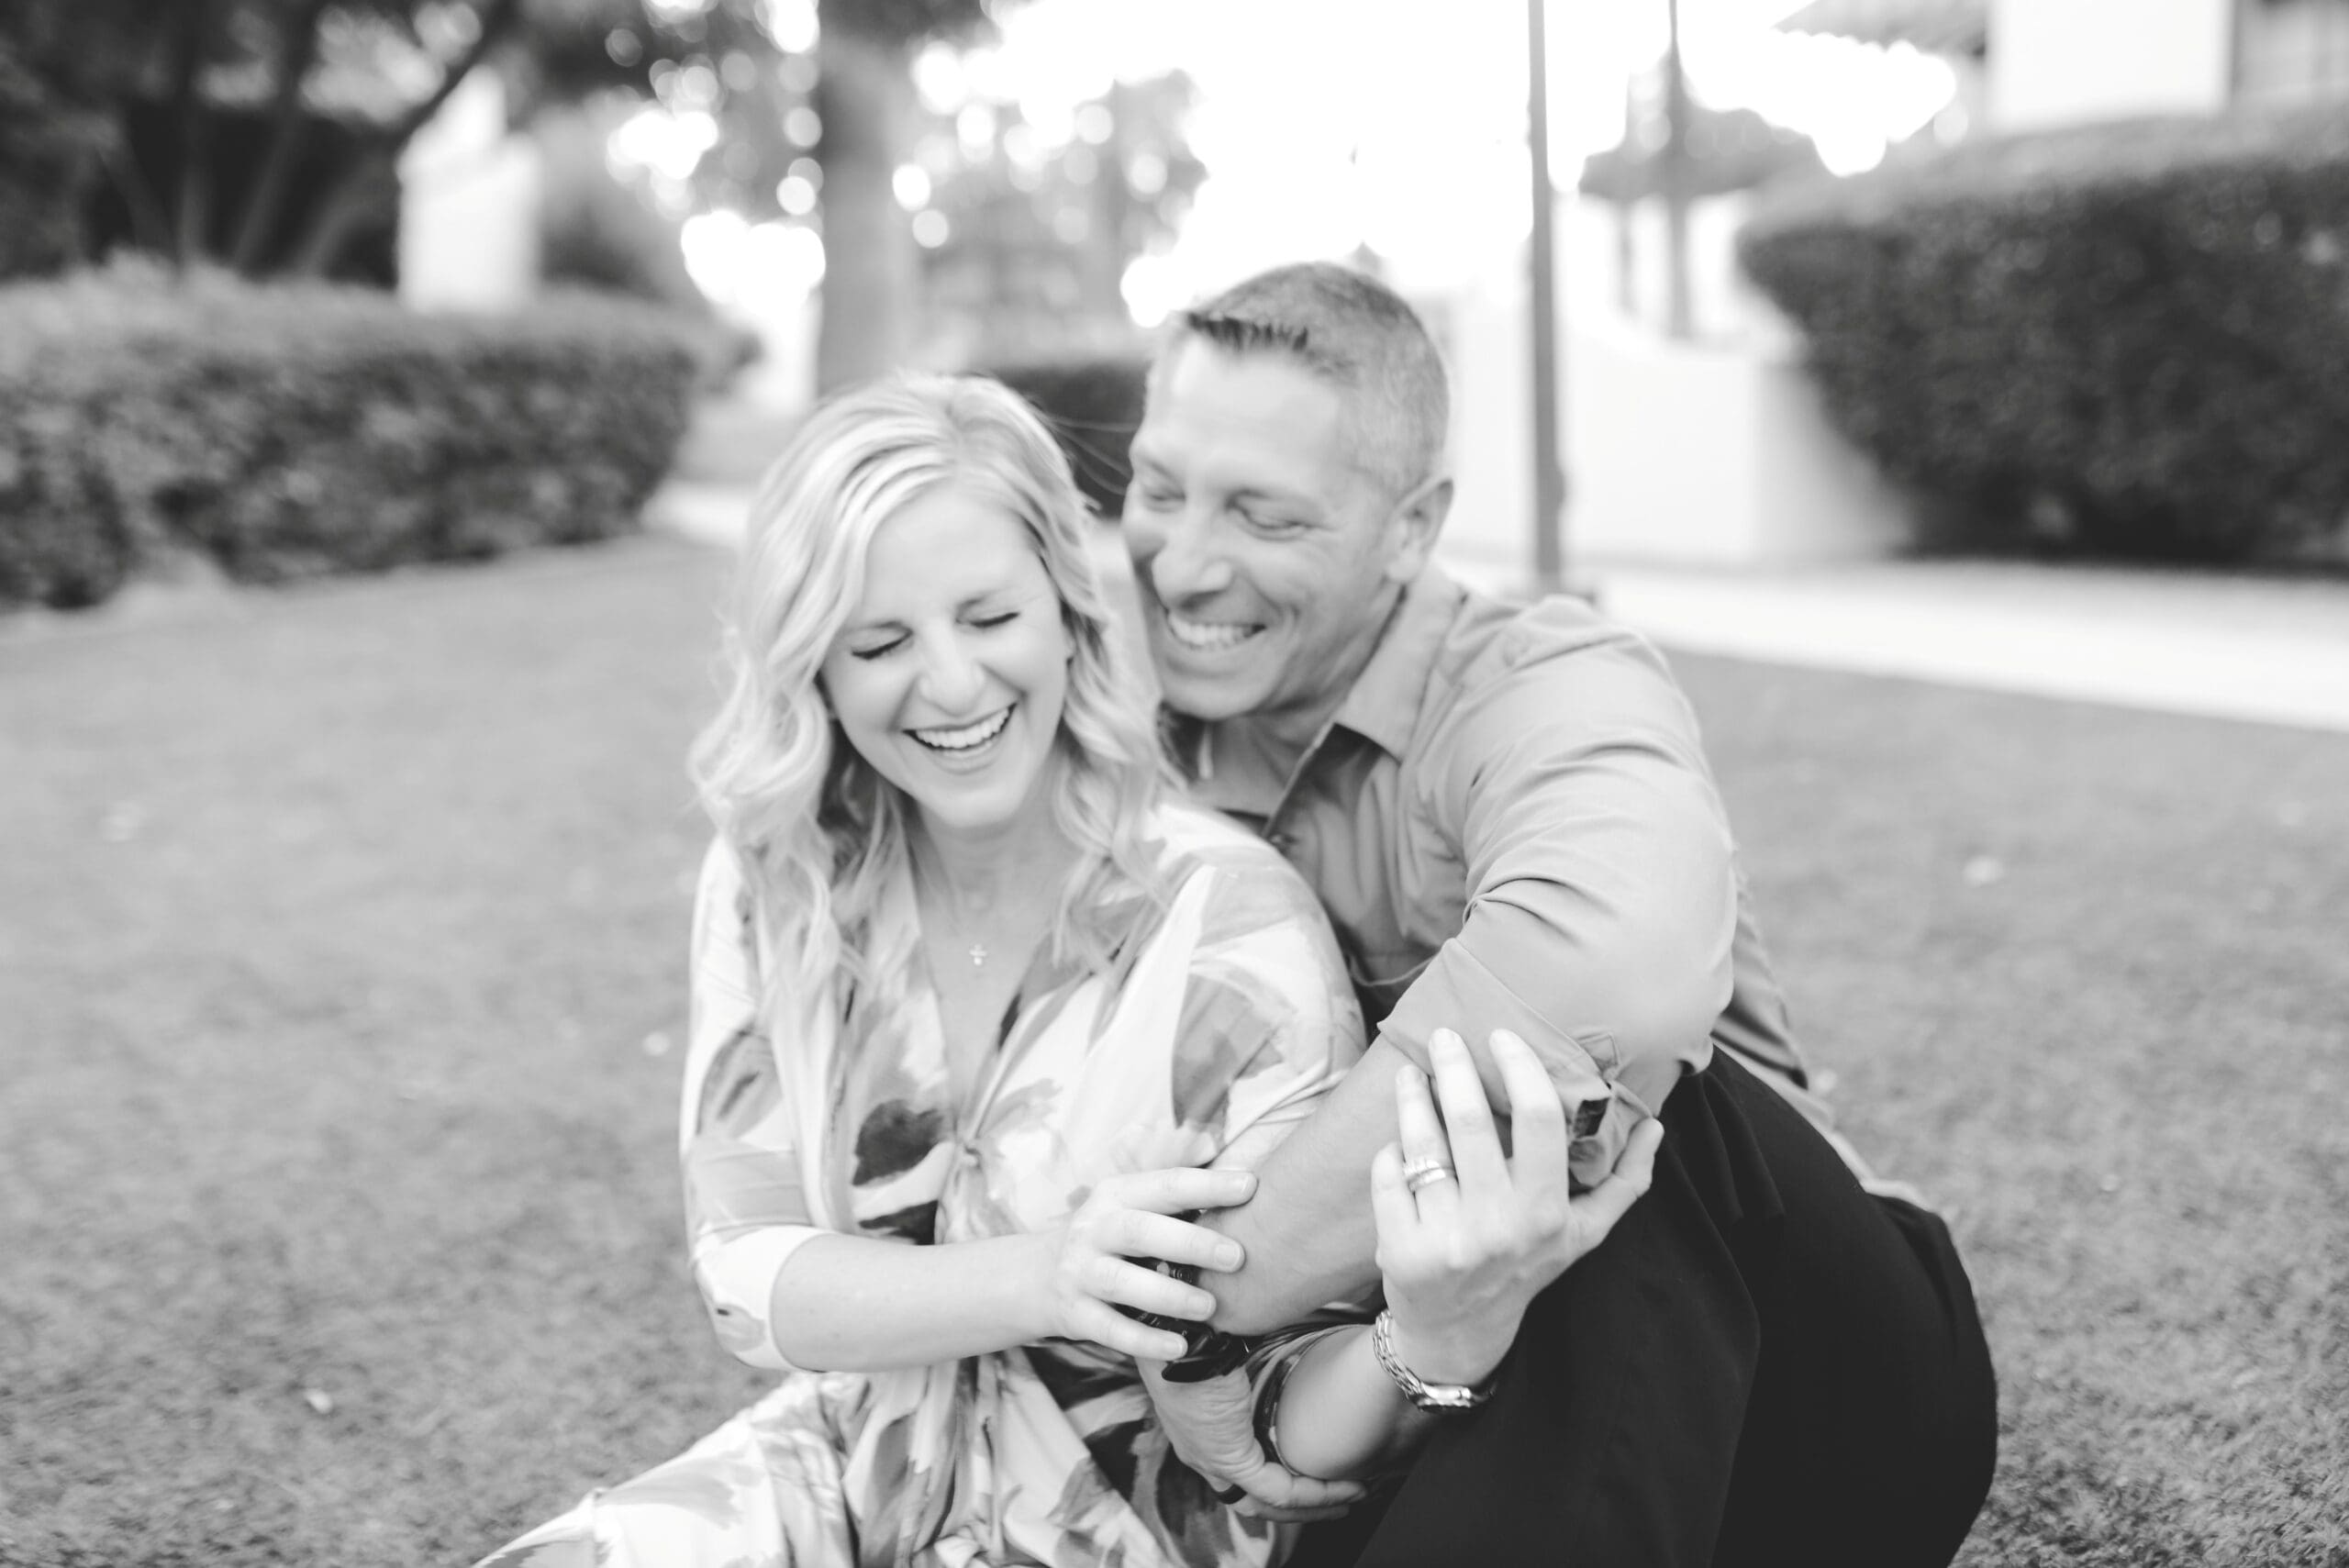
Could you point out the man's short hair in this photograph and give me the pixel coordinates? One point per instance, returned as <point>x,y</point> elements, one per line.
<point>1355,332</point>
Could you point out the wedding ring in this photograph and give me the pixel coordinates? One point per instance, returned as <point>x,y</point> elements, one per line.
<point>1424,1173</point>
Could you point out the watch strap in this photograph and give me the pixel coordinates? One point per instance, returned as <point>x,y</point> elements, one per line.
<point>1424,1394</point>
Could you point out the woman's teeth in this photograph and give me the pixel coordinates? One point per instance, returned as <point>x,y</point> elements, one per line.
<point>1207,636</point>
<point>967,737</point>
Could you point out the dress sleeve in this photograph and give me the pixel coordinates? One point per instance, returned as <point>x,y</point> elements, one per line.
<point>1602,886</point>
<point>1268,1022</point>
<point>746,1205</point>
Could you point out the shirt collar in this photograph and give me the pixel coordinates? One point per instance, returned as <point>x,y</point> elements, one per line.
<point>1382,705</point>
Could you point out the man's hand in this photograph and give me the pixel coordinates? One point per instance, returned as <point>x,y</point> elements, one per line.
<point>1212,1427</point>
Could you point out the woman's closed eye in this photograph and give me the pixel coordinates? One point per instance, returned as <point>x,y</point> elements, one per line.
<point>880,648</point>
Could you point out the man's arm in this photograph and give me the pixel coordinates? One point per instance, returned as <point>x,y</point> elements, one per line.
<point>1602,883</point>
<point>1312,1242</point>
<point>1602,907</point>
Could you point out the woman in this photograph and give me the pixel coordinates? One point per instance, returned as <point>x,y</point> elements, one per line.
<point>963,978</point>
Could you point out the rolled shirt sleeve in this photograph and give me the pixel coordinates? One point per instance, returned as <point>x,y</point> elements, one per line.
<point>1602,887</point>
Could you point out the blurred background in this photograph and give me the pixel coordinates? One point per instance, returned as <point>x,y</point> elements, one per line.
<point>2039,278</point>
<point>1958,390</point>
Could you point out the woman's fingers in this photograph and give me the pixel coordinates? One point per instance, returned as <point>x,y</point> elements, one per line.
<point>1537,1121</point>
<point>1130,1284</point>
<point>1467,1117</point>
<point>1111,1330</point>
<point>1146,1235</point>
<point>1390,1202</point>
<point>1180,1190</point>
<point>1425,1147</point>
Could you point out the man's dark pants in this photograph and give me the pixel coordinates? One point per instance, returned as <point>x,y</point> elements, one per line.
<point>1762,1365</point>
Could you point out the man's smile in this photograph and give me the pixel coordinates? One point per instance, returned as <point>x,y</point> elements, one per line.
<point>1207,636</point>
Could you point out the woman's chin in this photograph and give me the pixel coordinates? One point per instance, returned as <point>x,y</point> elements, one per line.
<point>977,807</point>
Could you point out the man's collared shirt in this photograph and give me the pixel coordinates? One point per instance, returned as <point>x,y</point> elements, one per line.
<point>1511,824</point>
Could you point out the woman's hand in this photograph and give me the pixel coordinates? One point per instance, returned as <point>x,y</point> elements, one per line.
<point>1463,1256</point>
<point>1085,1270</point>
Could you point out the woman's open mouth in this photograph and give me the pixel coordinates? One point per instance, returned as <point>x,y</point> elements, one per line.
<point>967,739</point>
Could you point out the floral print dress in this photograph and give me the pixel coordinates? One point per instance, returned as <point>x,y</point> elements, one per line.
<point>1228,1013</point>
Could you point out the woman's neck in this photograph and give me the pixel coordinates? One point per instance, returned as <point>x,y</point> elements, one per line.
<point>982,872</point>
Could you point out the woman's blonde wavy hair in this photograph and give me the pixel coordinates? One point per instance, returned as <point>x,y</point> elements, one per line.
<point>818,832</point>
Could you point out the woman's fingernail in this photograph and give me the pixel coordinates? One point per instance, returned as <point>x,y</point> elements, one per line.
<point>1228,1255</point>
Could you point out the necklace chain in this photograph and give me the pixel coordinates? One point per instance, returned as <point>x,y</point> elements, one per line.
<point>977,951</point>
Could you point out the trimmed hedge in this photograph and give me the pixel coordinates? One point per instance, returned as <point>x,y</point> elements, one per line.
<point>288,432</point>
<point>2129,339</point>
<point>1094,406</point>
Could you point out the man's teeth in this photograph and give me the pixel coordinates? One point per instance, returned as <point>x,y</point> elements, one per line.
<point>1207,636</point>
<point>970,734</point>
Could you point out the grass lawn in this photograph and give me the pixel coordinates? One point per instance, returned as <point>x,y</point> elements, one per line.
<point>340,987</point>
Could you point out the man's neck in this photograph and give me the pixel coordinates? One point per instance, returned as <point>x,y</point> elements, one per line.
<point>1285,733</point>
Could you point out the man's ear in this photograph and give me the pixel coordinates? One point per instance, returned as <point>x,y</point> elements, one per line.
<point>1419,518</point>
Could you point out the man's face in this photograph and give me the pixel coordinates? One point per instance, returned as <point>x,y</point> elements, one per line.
<point>1266,560</point>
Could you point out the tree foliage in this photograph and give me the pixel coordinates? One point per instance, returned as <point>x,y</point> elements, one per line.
<point>265,134</point>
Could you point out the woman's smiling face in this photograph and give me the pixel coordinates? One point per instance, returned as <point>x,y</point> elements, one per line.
<point>951,674</point>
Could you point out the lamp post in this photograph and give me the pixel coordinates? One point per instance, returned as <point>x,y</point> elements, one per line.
<point>1549,472</point>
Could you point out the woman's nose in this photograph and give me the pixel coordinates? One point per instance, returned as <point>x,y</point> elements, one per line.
<point>950,676</point>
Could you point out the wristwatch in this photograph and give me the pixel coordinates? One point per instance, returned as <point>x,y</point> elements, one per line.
<point>1422,1394</point>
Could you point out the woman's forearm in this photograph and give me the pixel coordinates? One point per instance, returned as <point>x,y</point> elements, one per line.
<point>854,1303</point>
<point>1340,1416</point>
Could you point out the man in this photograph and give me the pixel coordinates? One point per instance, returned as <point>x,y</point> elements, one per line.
<point>1511,821</point>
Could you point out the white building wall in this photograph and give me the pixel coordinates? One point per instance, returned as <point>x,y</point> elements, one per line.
<point>1714,454</point>
<point>469,206</point>
<point>2056,62</point>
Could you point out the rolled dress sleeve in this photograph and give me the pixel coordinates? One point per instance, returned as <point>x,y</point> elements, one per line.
<point>746,1206</point>
<point>1602,888</point>
<point>1267,1023</point>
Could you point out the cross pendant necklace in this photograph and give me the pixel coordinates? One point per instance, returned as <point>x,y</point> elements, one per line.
<point>977,950</point>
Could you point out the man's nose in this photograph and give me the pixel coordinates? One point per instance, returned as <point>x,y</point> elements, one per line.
<point>1187,564</point>
<point>951,677</point>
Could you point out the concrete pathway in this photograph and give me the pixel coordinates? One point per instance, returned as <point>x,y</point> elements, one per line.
<point>2269,650</point>
<point>2275,651</point>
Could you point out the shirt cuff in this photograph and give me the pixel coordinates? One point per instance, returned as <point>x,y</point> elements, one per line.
<point>1457,991</point>
<point>737,1279</point>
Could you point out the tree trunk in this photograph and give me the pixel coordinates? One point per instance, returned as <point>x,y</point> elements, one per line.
<point>373,176</point>
<point>263,214</point>
<point>361,190</point>
<point>871,297</point>
<point>192,200</point>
